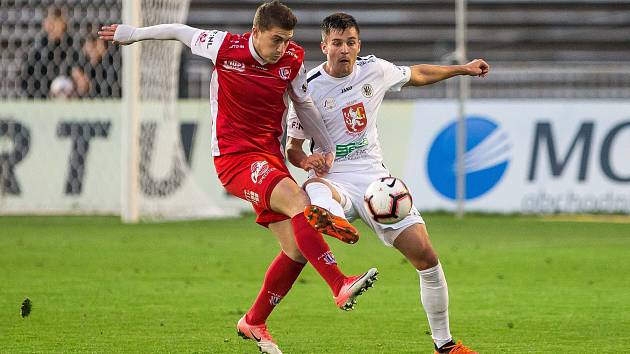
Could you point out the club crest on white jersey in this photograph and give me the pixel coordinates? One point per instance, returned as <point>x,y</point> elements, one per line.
<point>330,104</point>
<point>355,118</point>
<point>367,90</point>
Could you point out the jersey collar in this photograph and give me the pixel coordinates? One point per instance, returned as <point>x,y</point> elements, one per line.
<point>252,51</point>
<point>339,79</point>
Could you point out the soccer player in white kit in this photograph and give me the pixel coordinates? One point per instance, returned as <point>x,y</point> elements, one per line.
<point>348,91</point>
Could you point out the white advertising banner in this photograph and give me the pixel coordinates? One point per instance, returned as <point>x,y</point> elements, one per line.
<point>64,157</point>
<point>542,156</point>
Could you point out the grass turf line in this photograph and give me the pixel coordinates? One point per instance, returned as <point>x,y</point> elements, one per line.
<point>517,285</point>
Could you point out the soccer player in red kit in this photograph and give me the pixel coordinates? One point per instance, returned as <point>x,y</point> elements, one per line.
<point>254,76</point>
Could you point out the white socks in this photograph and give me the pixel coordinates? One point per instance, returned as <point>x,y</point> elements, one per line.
<point>321,196</point>
<point>434,297</point>
<point>433,288</point>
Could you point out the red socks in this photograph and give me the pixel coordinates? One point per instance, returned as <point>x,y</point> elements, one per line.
<point>313,247</point>
<point>283,271</point>
<point>279,278</point>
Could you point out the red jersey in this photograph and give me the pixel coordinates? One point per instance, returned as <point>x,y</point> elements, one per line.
<point>249,97</point>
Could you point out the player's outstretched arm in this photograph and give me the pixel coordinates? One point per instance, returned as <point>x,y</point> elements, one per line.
<point>426,74</point>
<point>125,34</point>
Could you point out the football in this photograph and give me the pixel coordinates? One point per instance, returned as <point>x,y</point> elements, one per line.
<point>388,200</point>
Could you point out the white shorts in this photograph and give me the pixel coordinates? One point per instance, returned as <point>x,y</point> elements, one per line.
<point>352,186</point>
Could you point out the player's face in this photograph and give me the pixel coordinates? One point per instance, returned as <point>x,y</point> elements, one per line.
<point>341,49</point>
<point>272,43</point>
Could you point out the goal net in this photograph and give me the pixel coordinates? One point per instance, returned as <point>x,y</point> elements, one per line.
<point>157,183</point>
<point>88,127</point>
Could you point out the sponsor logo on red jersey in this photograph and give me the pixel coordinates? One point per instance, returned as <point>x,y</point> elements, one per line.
<point>234,65</point>
<point>355,118</point>
<point>285,72</point>
<point>251,197</point>
<point>260,170</point>
<point>291,52</point>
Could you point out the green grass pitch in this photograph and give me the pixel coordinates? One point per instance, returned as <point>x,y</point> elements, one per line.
<point>517,285</point>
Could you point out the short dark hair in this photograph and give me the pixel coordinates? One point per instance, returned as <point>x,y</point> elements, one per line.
<point>338,22</point>
<point>274,14</point>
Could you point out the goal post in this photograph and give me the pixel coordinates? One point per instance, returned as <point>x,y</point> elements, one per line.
<point>463,94</point>
<point>156,178</point>
<point>130,144</point>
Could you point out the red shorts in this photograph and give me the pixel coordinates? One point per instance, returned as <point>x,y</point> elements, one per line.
<point>252,177</point>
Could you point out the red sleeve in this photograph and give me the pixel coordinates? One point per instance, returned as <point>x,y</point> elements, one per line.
<point>224,45</point>
<point>298,59</point>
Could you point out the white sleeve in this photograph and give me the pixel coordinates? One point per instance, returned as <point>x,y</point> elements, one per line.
<point>126,34</point>
<point>207,43</point>
<point>394,76</point>
<point>311,120</point>
<point>294,127</point>
<point>308,115</point>
<point>299,86</point>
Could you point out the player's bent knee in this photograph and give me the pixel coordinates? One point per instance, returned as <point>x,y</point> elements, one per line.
<point>414,244</point>
<point>288,198</point>
<point>298,200</point>
<point>291,250</point>
<point>425,260</point>
<point>295,255</point>
<point>315,180</point>
<point>335,193</point>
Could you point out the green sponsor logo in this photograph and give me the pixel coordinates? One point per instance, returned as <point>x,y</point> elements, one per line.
<point>344,150</point>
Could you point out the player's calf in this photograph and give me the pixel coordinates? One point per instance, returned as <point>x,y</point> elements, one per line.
<point>413,242</point>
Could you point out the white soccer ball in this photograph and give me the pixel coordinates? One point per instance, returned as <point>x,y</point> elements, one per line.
<point>61,87</point>
<point>388,200</point>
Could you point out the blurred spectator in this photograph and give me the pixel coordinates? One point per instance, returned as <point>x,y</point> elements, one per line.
<point>62,87</point>
<point>81,82</point>
<point>94,50</point>
<point>52,54</point>
<point>95,74</point>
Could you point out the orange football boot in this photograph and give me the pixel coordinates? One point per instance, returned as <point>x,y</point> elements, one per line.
<point>327,223</point>
<point>455,348</point>
<point>353,287</point>
<point>259,334</point>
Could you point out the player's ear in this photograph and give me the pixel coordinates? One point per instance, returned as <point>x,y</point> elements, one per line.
<point>359,46</point>
<point>255,32</point>
<point>324,47</point>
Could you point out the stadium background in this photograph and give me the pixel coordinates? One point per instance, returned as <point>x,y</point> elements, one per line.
<point>540,49</point>
<point>558,92</point>
<point>561,65</point>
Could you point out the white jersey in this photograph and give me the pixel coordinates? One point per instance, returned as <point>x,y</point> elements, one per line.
<point>349,107</point>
